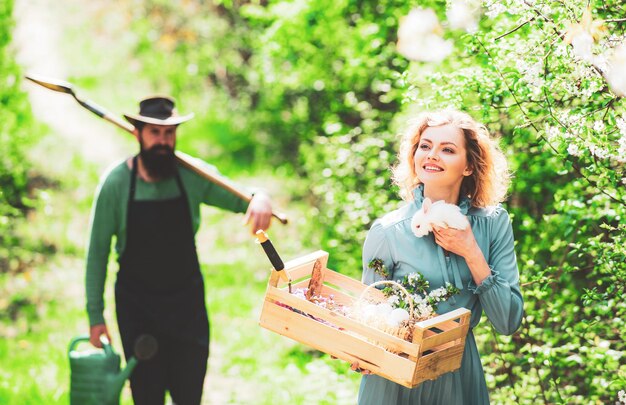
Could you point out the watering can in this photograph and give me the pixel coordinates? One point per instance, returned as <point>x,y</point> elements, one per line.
<point>96,378</point>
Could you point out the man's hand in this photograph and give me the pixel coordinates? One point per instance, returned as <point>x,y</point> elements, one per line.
<point>95,332</point>
<point>259,214</point>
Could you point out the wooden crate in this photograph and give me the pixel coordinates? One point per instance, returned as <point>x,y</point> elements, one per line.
<point>437,346</point>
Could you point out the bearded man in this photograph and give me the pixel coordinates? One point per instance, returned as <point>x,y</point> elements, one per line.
<point>151,205</point>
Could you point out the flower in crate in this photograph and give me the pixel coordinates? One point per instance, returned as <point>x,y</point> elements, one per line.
<point>424,302</point>
<point>409,300</point>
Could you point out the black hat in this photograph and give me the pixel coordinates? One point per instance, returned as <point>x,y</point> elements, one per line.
<point>158,111</point>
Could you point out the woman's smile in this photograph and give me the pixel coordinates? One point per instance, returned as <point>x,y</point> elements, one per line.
<point>432,168</point>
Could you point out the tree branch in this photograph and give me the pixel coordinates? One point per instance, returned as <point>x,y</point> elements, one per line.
<point>514,29</point>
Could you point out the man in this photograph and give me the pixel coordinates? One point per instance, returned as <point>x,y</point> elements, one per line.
<point>152,206</point>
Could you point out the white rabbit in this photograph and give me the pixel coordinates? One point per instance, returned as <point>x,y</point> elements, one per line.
<point>440,213</point>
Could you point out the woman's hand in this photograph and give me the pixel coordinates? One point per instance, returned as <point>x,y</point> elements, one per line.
<point>459,242</point>
<point>463,243</point>
<point>355,367</point>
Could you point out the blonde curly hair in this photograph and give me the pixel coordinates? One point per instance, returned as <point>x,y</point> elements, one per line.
<point>490,178</point>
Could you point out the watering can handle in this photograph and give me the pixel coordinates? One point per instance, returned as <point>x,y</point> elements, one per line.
<point>106,345</point>
<point>75,341</point>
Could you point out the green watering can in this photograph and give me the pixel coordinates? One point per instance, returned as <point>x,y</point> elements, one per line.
<point>96,378</point>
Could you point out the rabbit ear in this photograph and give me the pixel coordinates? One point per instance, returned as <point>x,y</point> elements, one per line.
<point>426,204</point>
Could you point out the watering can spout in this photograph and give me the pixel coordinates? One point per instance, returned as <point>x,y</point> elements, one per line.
<point>117,382</point>
<point>144,349</point>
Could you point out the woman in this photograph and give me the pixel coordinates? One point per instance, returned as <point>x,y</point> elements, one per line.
<point>449,156</point>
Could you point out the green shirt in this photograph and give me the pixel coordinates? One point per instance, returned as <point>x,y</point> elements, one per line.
<point>109,211</point>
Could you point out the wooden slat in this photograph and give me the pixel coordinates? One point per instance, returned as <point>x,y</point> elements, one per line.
<point>460,313</point>
<point>300,284</point>
<point>389,341</point>
<point>345,282</point>
<point>301,267</point>
<point>338,343</point>
<point>338,296</point>
<point>302,260</point>
<point>447,325</point>
<point>433,365</point>
<point>447,336</point>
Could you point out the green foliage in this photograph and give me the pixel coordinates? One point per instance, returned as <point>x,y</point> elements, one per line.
<point>319,85</point>
<point>16,134</point>
<point>559,124</point>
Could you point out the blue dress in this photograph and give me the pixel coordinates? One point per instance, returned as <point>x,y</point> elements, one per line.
<point>391,240</point>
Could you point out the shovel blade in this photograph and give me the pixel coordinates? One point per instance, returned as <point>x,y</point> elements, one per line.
<point>52,84</point>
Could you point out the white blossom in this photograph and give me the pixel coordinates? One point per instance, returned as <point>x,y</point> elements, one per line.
<point>601,62</point>
<point>621,396</point>
<point>616,73</point>
<point>621,150</point>
<point>582,43</point>
<point>621,124</point>
<point>552,132</point>
<point>598,151</point>
<point>598,126</point>
<point>461,15</point>
<point>419,37</point>
<point>495,9</point>
<point>573,149</point>
<point>531,73</point>
<point>393,300</point>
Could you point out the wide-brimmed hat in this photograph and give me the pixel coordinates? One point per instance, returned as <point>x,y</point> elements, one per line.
<point>157,110</point>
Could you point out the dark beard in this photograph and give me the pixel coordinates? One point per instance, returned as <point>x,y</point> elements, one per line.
<point>158,164</point>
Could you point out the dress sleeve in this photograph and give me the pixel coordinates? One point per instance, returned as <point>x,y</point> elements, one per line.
<point>499,293</point>
<point>376,246</point>
<point>103,221</point>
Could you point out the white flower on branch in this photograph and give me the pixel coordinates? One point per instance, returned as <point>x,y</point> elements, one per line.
<point>599,152</point>
<point>587,25</point>
<point>598,126</point>
<point>573,149</point>
<point>462,16</point>
<point>420,37</point>
<point>621,150</point>
<point>583,34</point>
<point>582,44</point>
<point>615,75</point>
<point>531,73</point>
<point>552,133</point>
<point>621,125</point>
<point>495,9</point>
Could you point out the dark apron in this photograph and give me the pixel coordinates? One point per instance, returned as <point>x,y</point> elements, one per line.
<point>159,288</point>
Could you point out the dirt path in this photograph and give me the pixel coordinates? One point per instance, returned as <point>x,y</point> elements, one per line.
<point>39,42</point>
